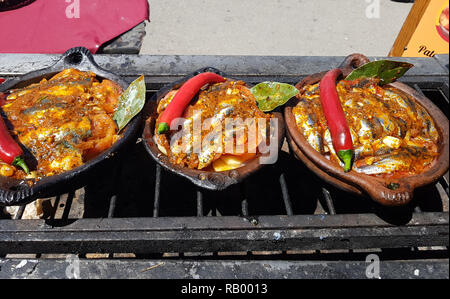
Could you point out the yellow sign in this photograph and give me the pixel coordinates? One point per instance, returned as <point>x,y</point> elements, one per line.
<point>430,35</point>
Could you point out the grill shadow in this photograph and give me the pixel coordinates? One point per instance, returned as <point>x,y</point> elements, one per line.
<point>260,194</point>
<point>286,187</point>
<point>265,194</point>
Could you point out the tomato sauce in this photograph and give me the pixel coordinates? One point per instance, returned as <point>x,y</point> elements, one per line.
<point>61,122</point>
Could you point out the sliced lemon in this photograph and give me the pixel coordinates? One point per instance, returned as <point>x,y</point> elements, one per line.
<point>229,162</point>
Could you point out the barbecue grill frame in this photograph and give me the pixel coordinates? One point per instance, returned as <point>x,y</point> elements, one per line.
<point>224,233</point>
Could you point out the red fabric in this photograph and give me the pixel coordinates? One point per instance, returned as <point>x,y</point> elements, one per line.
<point>53,26</point>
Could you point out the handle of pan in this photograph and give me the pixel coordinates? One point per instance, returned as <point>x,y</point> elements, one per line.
<point>15,193</point>
<point>352,62</point>
<point>392,194</point>
<point>78,57</point>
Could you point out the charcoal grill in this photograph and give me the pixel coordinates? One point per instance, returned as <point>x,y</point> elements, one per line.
<point>137,220</point>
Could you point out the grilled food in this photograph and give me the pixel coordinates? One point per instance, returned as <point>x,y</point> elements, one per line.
<point>393,136</point>
<point>209,115</point>
<point>62,122</point>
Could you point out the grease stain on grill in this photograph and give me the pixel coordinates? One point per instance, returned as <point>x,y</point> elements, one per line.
<point>252,220</point>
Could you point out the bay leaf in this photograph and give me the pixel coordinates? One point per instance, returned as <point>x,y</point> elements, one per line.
<point>131,102</point>
<point>270,95</point>
<point>386,70</point>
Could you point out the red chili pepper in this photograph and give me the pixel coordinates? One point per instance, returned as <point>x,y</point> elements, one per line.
<point>334,114</point>
<point>183,96</point>
<point>10,151</point>
<point>2,80</point>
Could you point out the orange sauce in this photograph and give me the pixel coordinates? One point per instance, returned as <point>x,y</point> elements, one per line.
<point>62,122</point>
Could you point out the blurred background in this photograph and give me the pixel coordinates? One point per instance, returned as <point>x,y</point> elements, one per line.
<point>273,27</point>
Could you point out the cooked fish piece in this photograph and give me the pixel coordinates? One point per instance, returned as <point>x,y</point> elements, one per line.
<point>388,123</point>
<point>313,135</point>
<point>366,133</point>
<point>308,124</point>
<point>383,165</point>
<point>387,127</point>
<point>403,101</point>
<point>363,150</point>
<point>392,142</point>
<point>206,130</point>
<point>211,149</point>
<point>64,121</point>
<point>428,127</point>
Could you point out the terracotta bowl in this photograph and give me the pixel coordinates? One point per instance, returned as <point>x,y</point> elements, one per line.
<point>358,183</point>
<point>210,180</point>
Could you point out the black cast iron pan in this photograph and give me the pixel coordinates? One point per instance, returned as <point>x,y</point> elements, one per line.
<point>19,192</point>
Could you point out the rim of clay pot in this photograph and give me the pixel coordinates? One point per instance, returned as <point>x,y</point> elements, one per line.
<point>376,187</point>
<point>210,180</point>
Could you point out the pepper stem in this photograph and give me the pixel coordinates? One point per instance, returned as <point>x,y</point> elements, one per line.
<point>163,128</point>
<point>346,156</point>
<point>19,161</point>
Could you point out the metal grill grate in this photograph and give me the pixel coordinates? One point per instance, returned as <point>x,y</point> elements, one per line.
<point>283,212</point>
<point>136,187</point>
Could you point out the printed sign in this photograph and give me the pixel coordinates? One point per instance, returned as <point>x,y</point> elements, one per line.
<point>431,34</point>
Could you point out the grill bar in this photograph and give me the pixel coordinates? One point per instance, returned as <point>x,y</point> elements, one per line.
<point>244,207</point>
<point>199,203</point>
<point>55,207</point>
<point>68,205</point>
<point>285,193</point>
<point>244,201</point>
<point>162,69</point>
<point>329,201</point>
<point>417,88</point>
<point>224,269</point>
<point>112,206</point>
<point>19,212</point>
<point>157,191</point>
<point>444,183</point>
<point>226,233</point>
